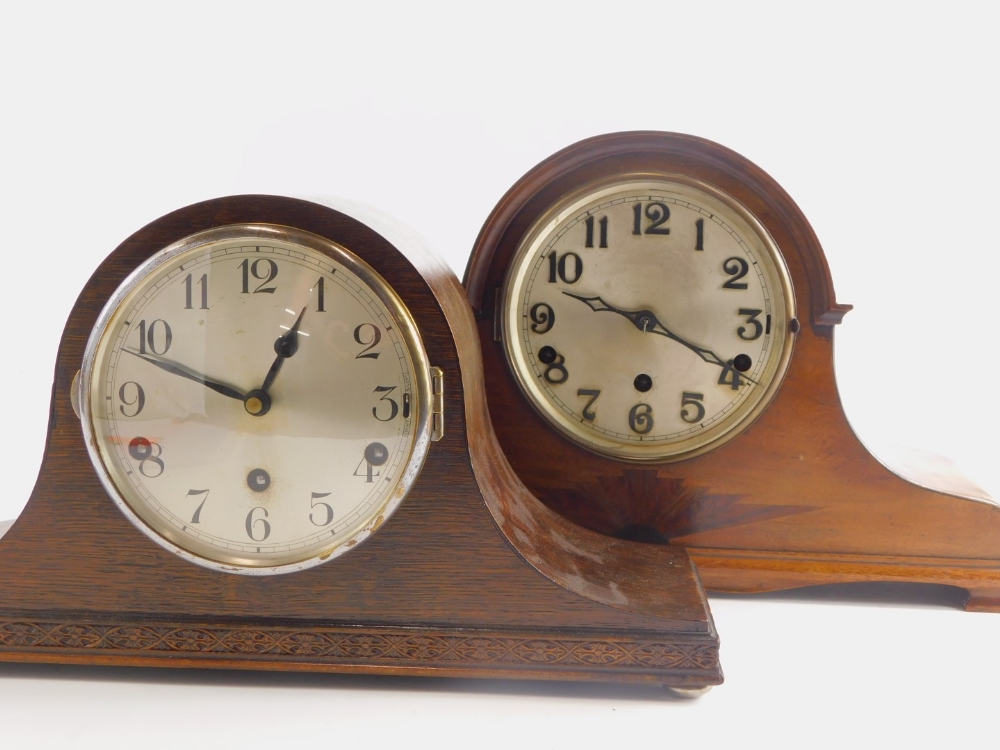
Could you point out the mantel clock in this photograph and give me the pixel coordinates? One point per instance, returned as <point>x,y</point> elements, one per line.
<point>269,448</point>
<point>657,319</point>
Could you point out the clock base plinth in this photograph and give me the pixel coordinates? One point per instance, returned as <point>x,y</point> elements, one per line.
<point>983,600</point>
<point>737,572</point>
<point>684,664</point>
<point>437,592</point>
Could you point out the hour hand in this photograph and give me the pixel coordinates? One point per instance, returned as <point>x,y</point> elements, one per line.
<point>285,346</point>
<point>175,369</point>
<point>594,303</point>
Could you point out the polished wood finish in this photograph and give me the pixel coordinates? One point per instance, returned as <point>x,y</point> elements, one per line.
<point>796,499</point>
<point>472,576</point>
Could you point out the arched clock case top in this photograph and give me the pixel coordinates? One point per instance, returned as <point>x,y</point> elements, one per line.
<point>471,575</point>
<point>791,498</point>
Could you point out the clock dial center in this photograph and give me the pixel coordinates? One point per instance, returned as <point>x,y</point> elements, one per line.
<point>257,403</point>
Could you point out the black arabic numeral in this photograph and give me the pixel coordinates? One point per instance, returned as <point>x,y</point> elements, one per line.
<point>146,452</point>
<point>688,398</point>
<point>699,242</point>
<point>367,352</point>
<point>640,419</point>
<point>329,510</point>
<point>253,524</point>
<point>589,224</point>
<point>592,396</point>
<point>196,516</point>
<point>320,288</point>
<point>543,317</point>
<point>263,270</point>
<point>138,402</point>
<point>376,454</point>
<point>393,406</point>
<point>189,289</point>
<point>737,268</point>
<point>555,370</point>
<point>758,328</point>
<point>730,376</point>
<point>147,336</point>
<point>558,268</point>
<point>369,471</point>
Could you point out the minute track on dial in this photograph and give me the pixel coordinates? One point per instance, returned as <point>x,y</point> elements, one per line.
<point>647,322</point>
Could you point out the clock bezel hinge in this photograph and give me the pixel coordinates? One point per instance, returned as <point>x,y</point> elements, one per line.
<point>437,403</point>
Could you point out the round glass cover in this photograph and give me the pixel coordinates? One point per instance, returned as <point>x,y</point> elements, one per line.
<point>648,318</point>
<point>255,399</point>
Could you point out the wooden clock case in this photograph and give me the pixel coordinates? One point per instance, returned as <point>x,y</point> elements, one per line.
<point>796,499</point>
<point>470,577</point>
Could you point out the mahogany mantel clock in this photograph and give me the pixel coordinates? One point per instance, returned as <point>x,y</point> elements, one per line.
<point>285,463</point>
<point>657,321</point>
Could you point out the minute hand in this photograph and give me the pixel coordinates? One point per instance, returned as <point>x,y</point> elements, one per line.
<point>647,322</point>
<point>176,369</point>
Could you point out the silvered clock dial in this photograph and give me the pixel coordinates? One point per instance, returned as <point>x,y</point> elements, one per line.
<point>649,317</point>
<point>256,399</point>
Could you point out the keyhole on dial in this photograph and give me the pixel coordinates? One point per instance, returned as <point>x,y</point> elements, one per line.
<point>642,382</point>
<point>258,480</point>
<point>547,355</point>
<point>742,362</point>
<point>376,454</point>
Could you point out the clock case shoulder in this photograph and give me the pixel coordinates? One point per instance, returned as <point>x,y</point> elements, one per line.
<point>471,576</point>
<point>796,499</point>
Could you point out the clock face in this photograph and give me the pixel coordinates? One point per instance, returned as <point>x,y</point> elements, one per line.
<point>255,399</point>
<point>650,318</point>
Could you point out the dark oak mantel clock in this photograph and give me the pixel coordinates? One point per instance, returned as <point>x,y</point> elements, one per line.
<point>657,318</point>
<point>269,449</point>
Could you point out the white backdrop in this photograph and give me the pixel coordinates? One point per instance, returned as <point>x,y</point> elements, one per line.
<point>879,120</point>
